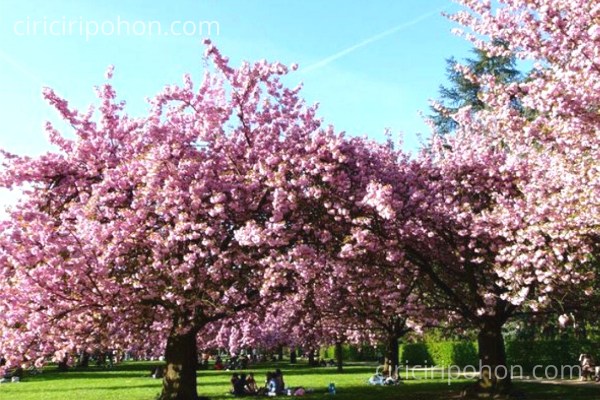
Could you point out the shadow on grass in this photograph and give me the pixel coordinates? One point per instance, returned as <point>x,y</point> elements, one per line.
<point>86,388</point>
<point>86,375</point>
<point>296,371</point>
<point>143,369</point>
<point>429,391</point>
<point>541,391</point>
<point>351,384</point>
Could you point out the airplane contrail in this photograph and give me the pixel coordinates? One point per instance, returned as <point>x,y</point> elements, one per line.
<point>379,36</point>
<point>20,68</point>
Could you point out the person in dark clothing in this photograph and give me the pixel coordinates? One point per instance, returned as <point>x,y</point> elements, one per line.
<point>237,385</point>
<point>232,363</point>
<point>234,381</point>
<point>243,382</point>
<point>279,383</point>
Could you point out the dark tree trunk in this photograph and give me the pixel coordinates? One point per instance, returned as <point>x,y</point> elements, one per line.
<point>392,358</point>
<point>84,359</point>
<point>495,374</point>
<point>280,353</point>
<point>179,382</point>
<point>339,356</point>
<point>63,365</point>
<point>311,357</point>
<point>292,356</point>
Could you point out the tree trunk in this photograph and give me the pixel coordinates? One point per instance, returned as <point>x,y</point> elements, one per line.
<point>392,358</point>
<point>339,356</point>
<point>280,353</point>
<point>292,356</point>
<point>311,357</point>
<point>63,365</point>
<point>179,382</point>
<point>494,374</point>
<point>84,359</point>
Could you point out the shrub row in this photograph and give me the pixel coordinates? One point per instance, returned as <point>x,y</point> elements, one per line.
<point>548,352</point>
<point>352,353</point>
<point>439,353</point>
<point>527,354</point>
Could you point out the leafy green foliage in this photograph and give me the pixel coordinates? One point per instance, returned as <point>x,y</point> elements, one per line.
<point>464,92</point>
<point>528,354</point>
<point>352,353</point>
<point>458,353</point>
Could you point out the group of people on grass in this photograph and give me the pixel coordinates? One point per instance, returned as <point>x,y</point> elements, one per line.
<point>14,375</point>
<point>233,363</point>
<point>245,385</point>
<point>323,363</point>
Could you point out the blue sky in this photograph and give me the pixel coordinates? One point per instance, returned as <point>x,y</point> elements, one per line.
<point>371,65</point>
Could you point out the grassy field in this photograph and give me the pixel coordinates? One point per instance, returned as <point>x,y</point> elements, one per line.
<point>131,381</point>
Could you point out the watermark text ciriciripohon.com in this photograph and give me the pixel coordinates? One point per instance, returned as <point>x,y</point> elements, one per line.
<point>117,26</point>
<point>454,372</point>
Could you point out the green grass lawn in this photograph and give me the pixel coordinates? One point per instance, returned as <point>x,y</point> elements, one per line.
<point>131,381</point>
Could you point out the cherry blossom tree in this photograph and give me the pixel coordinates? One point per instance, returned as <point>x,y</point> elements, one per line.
<point>559,133</point>
<point>502,215</point>
<point>140,232</point>
<point>513,195</point>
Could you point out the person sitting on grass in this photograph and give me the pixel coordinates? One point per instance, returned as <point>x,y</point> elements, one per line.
<point>158,372</point>
<point>377,379</point>
<point>15,376</point>
<point>251,387</point>
<point>271,388</point>
<point>587,364</point>
<point>243,361</point>
<point>237,385</point>
<point>203,362</point>
<point>392,379</point>
<point>280,384</point>
<point>243,382</point>
<point>232,363</point>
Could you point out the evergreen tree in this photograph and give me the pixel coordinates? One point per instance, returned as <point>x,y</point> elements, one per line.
<point>464,92</point>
